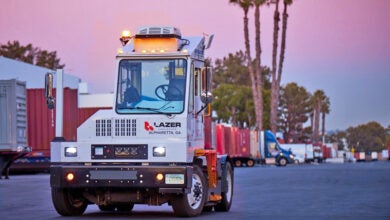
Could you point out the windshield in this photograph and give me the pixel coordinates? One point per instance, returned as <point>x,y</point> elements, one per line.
<point>151,86</point>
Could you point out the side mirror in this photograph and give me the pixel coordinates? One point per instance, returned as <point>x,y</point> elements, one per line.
<point>49,90</point>
<point>206,95</point>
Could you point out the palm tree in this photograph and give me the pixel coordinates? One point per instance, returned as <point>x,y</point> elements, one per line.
<point>320,103</point>
<point>274,104</point>
<point>325,109</point>
<point>256,91</point>
<point>259,71</point>
<point>276,79</point>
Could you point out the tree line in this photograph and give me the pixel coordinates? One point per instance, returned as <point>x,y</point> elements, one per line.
<point>301,113</point>
<point>233,101</point>
<point>30,54</point>
<point>273,106</point>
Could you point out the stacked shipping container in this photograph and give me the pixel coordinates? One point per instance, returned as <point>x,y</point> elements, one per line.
<point>240,144</point>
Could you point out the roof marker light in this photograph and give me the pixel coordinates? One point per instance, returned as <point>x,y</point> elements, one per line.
<point>125,37</point>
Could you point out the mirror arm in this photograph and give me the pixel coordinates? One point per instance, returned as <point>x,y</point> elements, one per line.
<point>203,108</point>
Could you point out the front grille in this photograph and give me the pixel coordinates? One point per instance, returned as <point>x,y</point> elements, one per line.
<point>120,127</point>
<point>125,151</point>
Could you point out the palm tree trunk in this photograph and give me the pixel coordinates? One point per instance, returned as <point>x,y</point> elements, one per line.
<point>251,70</point>
<point>281,60</point>
<point>312,123</point>
<point>259,79</point>
<point>323,124</point>
<point>274,91</point>
<point>317,113</point>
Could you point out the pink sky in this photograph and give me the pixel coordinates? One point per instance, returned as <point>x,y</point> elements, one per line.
<point>339,46</point>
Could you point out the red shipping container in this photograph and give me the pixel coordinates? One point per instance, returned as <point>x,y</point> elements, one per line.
<point>229,140</point>
<point>326,151</point>
<point>243,142</point>
<point>220,139</point>
<point>234,132</point>
<point>41,120</point>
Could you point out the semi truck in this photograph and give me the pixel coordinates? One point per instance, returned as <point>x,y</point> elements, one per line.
<point>247,147</point>
<point>155,145</point>
<point>271,152</point>
<point>13,123</point>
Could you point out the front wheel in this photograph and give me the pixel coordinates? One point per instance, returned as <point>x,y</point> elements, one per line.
<point>227,196</point>
<point>191,204</point>
<point>68,202</point>
<point>282,162</point>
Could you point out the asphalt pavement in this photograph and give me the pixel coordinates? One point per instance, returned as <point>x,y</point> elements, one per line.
<point>310,191</point>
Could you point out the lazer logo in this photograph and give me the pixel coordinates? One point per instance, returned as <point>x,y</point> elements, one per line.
<point>148,127</point>
<point>168,124</point>
<point>163,128</point>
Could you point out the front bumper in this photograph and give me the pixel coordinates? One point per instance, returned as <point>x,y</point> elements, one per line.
<point>176,178</point>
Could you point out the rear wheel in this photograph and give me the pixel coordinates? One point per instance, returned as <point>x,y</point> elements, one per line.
<point>227,197</point>
<point>68,202</point>
<point>238,163</point>
<point>191,204</point>
<point>250,163</point>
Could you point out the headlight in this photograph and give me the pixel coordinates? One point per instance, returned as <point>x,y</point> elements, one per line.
<point>70,151</point>
<point>292,156</point>
<point>158,151</point>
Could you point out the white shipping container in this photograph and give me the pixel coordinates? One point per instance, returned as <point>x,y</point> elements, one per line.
<point>374,155</point>
<point>385,154</point>
<point>13,115</point>
<point>362,155</point>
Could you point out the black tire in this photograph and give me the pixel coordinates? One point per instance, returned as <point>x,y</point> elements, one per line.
<point>237,163</point>
<point>191,204</point>
<point>106,208</point>
<point>282,162</point>
<point>250,163</point>
<point>227,197</point>
<point>207,208</point>
<point>68,202</point>
<point>127,207</point>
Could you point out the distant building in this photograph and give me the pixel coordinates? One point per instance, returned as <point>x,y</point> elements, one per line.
<point>34,76</point>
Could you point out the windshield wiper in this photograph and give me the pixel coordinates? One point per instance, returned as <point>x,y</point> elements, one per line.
<point>149,109</point>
